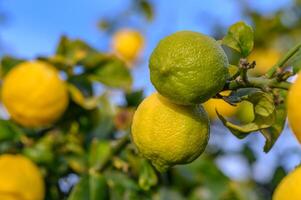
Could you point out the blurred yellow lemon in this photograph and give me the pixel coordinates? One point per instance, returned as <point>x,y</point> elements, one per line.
<point>289,187</point>
<point>221,106</point>
<point>294,107</point>
<point>33,94</point>
<point>20,179</point>
<point>128,44</point>
<point>169,134</point>
<point>265,59</point>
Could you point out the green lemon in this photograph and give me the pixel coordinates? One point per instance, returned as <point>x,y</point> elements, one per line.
<point>188,67</point>
<point>168,134</point>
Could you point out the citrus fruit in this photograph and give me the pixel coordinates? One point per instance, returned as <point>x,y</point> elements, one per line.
<point>223,108</point>
<point>289,187</point>
<point>245,112</point>
<point>168,134</point>
<point>20,179</point>
<point>265,59</point>
<point>188,67</point>
<point>33,94</point>
<point>127,44</point>
<point>294,107</point>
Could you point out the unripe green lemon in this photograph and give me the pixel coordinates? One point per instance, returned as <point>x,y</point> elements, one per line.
<point>289,187</point>
<point>168,134</point>
<point>188,67</point>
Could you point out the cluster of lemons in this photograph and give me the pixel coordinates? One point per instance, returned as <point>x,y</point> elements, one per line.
<point>35,96</point>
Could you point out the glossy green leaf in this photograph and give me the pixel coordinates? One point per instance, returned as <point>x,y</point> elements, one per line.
<point>81,190</point>
<point>98,186</point>
<point>99,150</point>
<point>113,74</point>
<point>240,37</point>
<point>9,131</point>
<point>272,133</point>
<point>264,111</point>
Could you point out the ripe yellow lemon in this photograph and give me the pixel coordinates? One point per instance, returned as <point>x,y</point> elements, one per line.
<point>188,67</point>
<point>265,59</point>
<point>168,134</point>
<point>289,187</point>
<point>20,179</point>
<point>128,44</point>
<point>33,94</point>
<point>294,107</point>
<point>221,106</point>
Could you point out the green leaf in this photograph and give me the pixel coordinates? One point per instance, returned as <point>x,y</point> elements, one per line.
<point>90,187</point>
<point>272,133</point>
<point>147,177</point>
<point>99,150</point>
<point>295,62</point>
<point>78,97</point>
<point>9,131</point>
<point>134,98</point>
<point>7,63</point>
<point>264,111</point>
<point>98,186</point>
<point>146,9</point>
<point>81,190</point>
<point>113,74</point>
<point>240,37</point>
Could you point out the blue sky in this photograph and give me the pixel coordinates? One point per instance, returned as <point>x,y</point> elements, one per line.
<point>35,26</point>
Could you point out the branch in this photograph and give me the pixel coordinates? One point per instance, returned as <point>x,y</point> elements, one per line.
<point>257,82</point>
<point>120,144</point>
<point>281,63</point>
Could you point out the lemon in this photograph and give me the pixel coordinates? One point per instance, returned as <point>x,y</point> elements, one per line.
<point>294,107</point>
<point>265,59</point>
<point>20,179</point>
<point>289,187</point>
<point>168,134</point>
<point>128,44</point>
<point>188,67</point>
<point>223,108</point>
<point>33,94</point>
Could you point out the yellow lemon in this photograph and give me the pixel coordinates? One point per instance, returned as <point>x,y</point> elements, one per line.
<point>265,59</point>
<point>20,179</point>
<point>221,106</point>
<point>168,134</point>
<point>128,44</point>
<point>188,67</point>
<point>33,94</point>
<point>294,107</point>
<point>289,187</point>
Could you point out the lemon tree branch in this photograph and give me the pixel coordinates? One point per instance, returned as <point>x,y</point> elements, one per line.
<point>281,63</point>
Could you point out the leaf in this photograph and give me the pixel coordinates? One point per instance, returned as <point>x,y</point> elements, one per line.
<point>9,131</point>
<point>147,176</point>
<point>7,63</point>
<point>240,37</point>
<point>113,74</point>
<point>147,9</point>
<point>295,62</point>
<point>134,98</point>
<point>90,187</point>
<point>80,190</point>
<point>77,96</point>
<point>264,111</point>
<point>233,71</point>
<point>99,150</point>
<point>272,133</point>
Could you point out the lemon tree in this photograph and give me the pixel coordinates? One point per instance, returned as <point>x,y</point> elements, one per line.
<point>188,67</point>
<point>89,147</point>
<point>167,144</point>
<point>20,179</point>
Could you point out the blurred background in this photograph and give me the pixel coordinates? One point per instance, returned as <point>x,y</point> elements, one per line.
<point>33,28</point>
